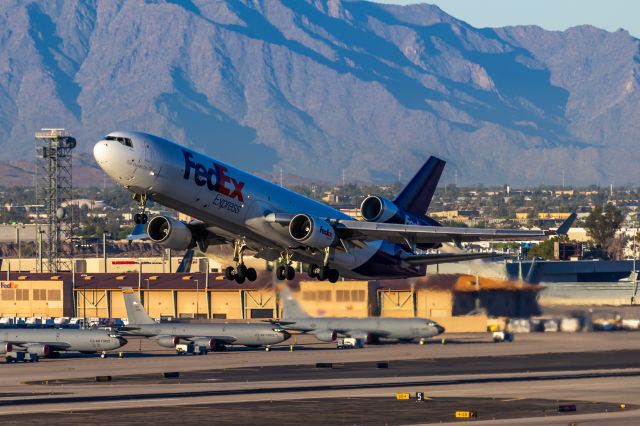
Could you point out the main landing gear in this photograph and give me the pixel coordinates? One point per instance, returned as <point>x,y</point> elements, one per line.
<point>141,218</point>
<point>324,272</point>
<point>285,271</point>
<point>240,273</point>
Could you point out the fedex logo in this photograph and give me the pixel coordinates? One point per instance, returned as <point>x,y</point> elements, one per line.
<point>327,233</point>
<point>215,178</point>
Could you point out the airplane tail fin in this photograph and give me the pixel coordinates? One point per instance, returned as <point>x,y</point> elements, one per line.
<point>416,196</point>
<point>135,311</point>
<point>185,263</point>
<point>290,306</point>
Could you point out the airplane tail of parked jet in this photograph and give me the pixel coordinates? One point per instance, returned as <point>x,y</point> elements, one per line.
<point>290,306</point>
<point>135,310</point>
<point>416,196</point>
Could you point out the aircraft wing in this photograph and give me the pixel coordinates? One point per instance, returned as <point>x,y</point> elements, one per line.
<point>59,346</point>
<point>416,234</point>
<point>435,258</point>
<point>363,334</point>
<point>221,339</point>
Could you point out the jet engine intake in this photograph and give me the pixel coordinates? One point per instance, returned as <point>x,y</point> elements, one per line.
<point>326,335</point>
<point>5,347</point>
<point>42,350</point>
<point>208,343</point>
<point>312,232</point>
<point>378,209</point>
<point>168,341</point>
<point>170,233</point>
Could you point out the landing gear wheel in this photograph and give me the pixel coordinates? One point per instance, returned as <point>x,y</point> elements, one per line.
<point>144,218</point>
<point>311,270</point>
<point>137,218</point>
<point>334,275</point>
<point>241,271</point>
<point>229,273</point>
<point>281,272</point>
<point>291,273</point>
<point>251,274</point>
<point>324,273</point>
<point>239,279</point>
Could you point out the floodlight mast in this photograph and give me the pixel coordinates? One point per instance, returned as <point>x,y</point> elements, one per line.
<point>54,157</point>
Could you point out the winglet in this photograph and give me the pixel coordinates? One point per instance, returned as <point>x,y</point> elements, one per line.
<point>566,225</point>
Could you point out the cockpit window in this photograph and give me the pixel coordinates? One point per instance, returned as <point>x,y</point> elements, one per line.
<point>123,141</point>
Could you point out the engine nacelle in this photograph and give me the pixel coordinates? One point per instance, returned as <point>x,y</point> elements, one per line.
<point>326,335</point>
<point>41,350</point>
<point>208,343</point>
<point>379,209</point>
<point>5,347</point>
<point>168,341</point>
<point>312,232</point>
<point>170,233</point>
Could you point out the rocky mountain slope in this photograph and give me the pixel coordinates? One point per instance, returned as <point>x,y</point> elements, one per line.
<point>318,86</point>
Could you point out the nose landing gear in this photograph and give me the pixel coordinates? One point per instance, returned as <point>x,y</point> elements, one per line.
<point>141,218</point>
<point>240,273</point>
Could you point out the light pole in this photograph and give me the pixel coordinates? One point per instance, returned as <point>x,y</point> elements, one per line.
<point>146,298</point>
<point>197,298</point>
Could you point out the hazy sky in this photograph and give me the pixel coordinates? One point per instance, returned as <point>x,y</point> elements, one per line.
<point>549,14</point>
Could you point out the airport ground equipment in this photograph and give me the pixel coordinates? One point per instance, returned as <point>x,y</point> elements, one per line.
<point>231,206</point>
<point>191,349</point>
<point>349,343</point>
<point>214,336</point>
<point>502,336</point>
<point>16,356</point>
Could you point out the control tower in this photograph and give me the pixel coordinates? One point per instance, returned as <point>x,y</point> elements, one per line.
<point>53,158</point>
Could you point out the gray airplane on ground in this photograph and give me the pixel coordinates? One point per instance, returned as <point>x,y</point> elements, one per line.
<point>371,330</point>
<point>229,205</point>
<point>215,336</point>
<point>50,342</point>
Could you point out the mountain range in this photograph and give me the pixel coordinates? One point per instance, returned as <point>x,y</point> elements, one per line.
<point>315,87</point>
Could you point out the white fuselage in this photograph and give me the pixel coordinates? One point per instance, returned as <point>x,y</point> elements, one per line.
<point>234,204</point>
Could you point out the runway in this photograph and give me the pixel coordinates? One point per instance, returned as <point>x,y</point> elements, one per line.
<point>527,379</point>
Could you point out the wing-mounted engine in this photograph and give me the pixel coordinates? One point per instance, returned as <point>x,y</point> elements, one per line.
<point>312,232</point>
<point>42,350</point>
<point>326,335</point>
<point>168,341</point>
<point>380,209</point>
<point>170,233</point>
<point>5,347</point>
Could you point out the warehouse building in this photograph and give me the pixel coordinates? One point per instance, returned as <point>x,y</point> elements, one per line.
<point>458,302</point>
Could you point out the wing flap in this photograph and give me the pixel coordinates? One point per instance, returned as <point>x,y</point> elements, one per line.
<point>435,258</point>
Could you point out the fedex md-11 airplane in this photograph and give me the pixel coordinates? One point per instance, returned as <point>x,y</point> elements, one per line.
<point>232,206</point>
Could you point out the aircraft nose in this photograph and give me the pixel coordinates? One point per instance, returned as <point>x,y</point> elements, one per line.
<point>122,340</point>
<point>286,334</point>
<point>439,328</point>
<point>101,152</point>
